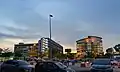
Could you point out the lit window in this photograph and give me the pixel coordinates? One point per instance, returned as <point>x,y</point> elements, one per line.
<point>31,46</point>
<point>87,40</point>
<point>92,39</point>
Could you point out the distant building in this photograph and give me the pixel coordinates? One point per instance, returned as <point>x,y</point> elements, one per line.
<point>92,45</point>
<point>47,43</point>
<point>40,48</point>
<point>27,49</point>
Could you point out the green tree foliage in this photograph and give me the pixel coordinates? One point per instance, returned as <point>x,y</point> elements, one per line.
<point>61,56</point>
<point>71,55</point>
<point>7,54</point>
<point>18,54</point>
<point>64,56</point>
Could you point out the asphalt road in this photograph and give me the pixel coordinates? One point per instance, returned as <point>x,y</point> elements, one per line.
<point>80,69</point>
<point>83,69</point>
<point>77,68</point>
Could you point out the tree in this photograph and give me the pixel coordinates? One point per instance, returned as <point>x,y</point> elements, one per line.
<point>5,50</point>
<point>1,50</point>
<point>7,54</point>
<point>61,56</point>
<point>109,52</point>
<point>18,54</point>
<point>117,48</point>
<point>71,55</point>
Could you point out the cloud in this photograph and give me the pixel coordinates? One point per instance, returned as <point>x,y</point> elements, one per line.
<point>27,21</point>
<point>59,9</point>
<point>2,35</point>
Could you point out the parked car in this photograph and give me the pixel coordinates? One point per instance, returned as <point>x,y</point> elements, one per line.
<point>21,65</point>
<point>101,65</point>
<point>82,64</point>
<point>50,66</point>
<point>114,63</point>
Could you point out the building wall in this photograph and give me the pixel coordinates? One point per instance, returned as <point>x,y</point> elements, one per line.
<point>81,48</point>
<point>40,48</point>
<point>90,45</point>
<point>46,44</point>
<point>33,50</point>
<point>56,48</point>
<point>27,49</point>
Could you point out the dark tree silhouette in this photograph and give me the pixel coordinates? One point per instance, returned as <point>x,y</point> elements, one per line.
<point>71,55</point>
<point>109,50</point>
<point>61,56</point>
<point>117,48</point>
<point>7,54</point>
<point>109,53</point>
<point>18,54</point>
<point>1,50</point>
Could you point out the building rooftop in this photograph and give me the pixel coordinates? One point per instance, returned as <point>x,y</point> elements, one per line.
<point>88,37</point>
<point>94,37</point>
<point>29,44</point>
<point>54,42</point>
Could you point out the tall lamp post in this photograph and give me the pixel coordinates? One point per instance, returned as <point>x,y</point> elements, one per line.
<point>50,27</point>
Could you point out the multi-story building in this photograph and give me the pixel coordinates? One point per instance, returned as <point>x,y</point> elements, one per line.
<point>92,45</point>
<point>40,48</point>
<point>27,49</point>
<point>47,43</point>
<point>81,48</point>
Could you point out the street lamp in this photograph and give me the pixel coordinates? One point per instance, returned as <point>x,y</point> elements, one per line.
<point>50,16</point>
<point>50,21</point>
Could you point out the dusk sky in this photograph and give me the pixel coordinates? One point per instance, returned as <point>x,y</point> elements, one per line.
<point>27,21</point>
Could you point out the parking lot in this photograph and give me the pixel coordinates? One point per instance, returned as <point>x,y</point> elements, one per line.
<point>87,69</point>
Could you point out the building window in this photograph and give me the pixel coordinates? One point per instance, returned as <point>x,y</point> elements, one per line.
<point>82,50</point>
<point>31,46</point>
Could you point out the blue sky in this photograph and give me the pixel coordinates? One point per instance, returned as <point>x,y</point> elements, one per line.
<point>27,21</point>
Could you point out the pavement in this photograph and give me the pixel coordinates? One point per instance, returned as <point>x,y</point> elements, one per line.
<point>77,68</point>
